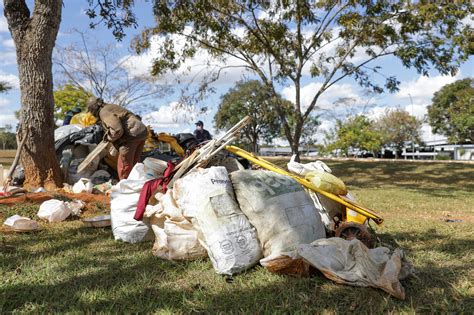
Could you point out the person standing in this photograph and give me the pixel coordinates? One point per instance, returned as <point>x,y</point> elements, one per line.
<point>124,129</point>
<point>70,114</point>
<point>200,133</point>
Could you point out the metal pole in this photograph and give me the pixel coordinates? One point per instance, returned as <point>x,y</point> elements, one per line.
<point>412,140</point>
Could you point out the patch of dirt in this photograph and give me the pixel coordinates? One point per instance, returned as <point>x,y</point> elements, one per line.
<point>91,200</point>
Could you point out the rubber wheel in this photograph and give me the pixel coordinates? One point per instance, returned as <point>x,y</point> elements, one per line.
<point>352,230</point>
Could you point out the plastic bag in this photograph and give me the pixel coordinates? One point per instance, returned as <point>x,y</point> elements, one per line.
<point>76,207</point>
<point>154,168</point>
<point>279,208</point>
<point>19,223</point>
<point>303,169</point>
<point>123,203</point>
<point>83,185</point>
<point>84,119</point>
<point>54,210</point>
<point>207,197</point>
<point>352,263</point>
<point>175,236</point>
<point>65,131</point>
<point>100,176</point>
<point>327,182</point>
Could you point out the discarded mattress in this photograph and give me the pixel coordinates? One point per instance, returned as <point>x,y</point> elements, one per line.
<point>279,208</point>
<point>207,198</point>
<point>123,203</point>
<point>352,263</point>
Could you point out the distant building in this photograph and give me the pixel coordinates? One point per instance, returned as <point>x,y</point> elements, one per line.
<point>285,151</point>
<point>440,149</point>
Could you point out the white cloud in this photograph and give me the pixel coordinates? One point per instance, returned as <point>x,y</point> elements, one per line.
<point>8,119</point>
<point>8,58</point>
<point>326,99</point>
<point>8,43</point>
<point>4,102</point>
<point>423,88</point>
<point>417,110</point>
<point>468,21</point>
<point>192,70</point>
<point>3,24</point>
<point>170,116</point>
<point>427,134</point>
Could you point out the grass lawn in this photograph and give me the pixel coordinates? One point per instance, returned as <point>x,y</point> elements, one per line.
<point>68,268</point>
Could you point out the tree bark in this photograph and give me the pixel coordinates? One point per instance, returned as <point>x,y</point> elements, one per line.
<point>34,38</point>
<point>255,144</point>
<point>298,122</point>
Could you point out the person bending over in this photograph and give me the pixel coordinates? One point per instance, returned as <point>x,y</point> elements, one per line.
<point>124,129</point>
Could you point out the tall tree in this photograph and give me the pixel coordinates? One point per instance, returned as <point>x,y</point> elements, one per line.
<point>249,98</point>
<point>452,111</point>
<point>354,134</point>
<point>281,41</point>
<point>99,69</point>
<point>5,135</point>
<point>398,127</point>
<point>34,35</point>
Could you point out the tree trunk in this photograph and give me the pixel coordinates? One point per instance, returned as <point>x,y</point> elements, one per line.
<point>255,144</point>
<point>295,145</point>
<point>299,121</point>
<point>34,38</point>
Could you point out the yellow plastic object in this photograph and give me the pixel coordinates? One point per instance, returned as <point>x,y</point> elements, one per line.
<point>151,142</point>
<point>327,182</point>
<point>84,119</point>
<point>343,200</point>
<point>167,138</point>
<point>354,216</point>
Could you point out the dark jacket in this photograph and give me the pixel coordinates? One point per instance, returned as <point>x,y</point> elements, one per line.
<point>202,135</point>
<point>121,124</point>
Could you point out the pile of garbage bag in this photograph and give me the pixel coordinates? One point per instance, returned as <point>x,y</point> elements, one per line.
<point>210,205</point>
<point>239,218</point>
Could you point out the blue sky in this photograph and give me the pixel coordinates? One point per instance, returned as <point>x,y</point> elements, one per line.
<point>168,118</point>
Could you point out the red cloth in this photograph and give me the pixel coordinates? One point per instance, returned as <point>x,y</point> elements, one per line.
<point>150,187</point>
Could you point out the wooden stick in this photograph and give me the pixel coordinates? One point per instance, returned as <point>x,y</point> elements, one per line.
<point>201,157</point>
<point>15,160</point>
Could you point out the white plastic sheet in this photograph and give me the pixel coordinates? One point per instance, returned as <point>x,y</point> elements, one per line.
<point>303,169</point>
<point>352,263</point>
<point>84,185</point>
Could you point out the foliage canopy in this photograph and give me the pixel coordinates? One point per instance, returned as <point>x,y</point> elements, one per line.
<point>452,111</point>
<point>282,41</point>
<point>249,98</point>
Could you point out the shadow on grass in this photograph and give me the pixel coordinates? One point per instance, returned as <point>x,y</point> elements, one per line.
<point>117,277</point>
<point>434,179</point>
